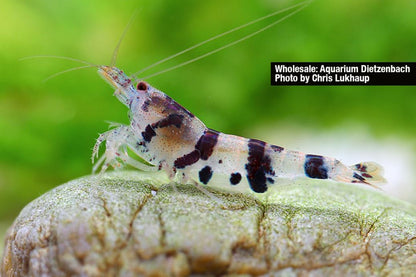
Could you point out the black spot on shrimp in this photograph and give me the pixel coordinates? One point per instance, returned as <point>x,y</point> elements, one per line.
<point>361,167</point>
<point>315,167</point>
<point>172,120</point>
<point>148,133</point>
<point>206,143</point>
<point>145,106</point>
<point>187,159</point>
<point>258,165</point>
<point>235,178</point>
<point>205,174</point>
<point>366,175</point>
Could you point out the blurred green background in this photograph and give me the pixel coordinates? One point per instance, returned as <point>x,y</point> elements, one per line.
<point>48,128</point>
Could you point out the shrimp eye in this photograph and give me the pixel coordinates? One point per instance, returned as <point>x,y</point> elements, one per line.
<point>141,86</point>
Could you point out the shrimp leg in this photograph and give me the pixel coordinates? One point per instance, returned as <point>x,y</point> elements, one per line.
<point>118,140</point>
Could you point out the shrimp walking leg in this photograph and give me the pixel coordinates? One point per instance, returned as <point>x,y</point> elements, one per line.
<point>118,140</point>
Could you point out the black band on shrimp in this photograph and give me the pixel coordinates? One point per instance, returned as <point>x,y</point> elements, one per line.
<point>206,143</point>
<point>258,166</point>
<point>315,167</point>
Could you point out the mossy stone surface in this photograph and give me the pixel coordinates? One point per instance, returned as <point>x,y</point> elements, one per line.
<point>132,224</point>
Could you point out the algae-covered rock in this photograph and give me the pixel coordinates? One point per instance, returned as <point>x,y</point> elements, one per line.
<point>135,224</point>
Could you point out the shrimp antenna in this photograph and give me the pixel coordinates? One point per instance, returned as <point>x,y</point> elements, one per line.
<point>115,52</point>
<point>302,4</point>
<point>68,70</point>
<point>58,57</point>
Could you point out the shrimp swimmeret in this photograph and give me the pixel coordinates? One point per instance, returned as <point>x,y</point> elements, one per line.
<point>170,138</point>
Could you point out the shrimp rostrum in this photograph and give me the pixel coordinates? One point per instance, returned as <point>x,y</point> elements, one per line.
<point>169,138</point>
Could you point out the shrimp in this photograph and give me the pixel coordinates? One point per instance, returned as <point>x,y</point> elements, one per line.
<point>168,137</point>
<point>164,136</point>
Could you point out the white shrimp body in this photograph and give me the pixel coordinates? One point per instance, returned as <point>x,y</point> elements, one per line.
<point>168,137</point>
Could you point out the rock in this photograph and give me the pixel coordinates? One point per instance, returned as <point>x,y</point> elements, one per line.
<point>132,224</point>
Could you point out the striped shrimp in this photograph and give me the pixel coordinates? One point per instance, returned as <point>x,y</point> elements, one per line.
<point>170,138</point>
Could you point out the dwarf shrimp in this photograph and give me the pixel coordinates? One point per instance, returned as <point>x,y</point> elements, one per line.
<point>170,138</point>
<point>167,137</point>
